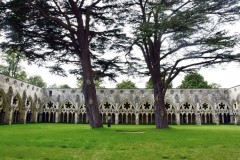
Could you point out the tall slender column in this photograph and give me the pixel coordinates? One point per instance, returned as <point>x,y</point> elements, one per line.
<point>177,118</point>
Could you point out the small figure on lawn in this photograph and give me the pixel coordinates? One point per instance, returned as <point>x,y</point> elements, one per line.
<point>109,120</point>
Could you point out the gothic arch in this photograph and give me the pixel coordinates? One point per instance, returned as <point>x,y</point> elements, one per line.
<point>67,111</point>
<point>171,111</point>
<point>206,112</point>
<point>18,109</point>
<point>31,110</point>
<point>107,108</point>
<point>4,106</point>
<point>82,115</point>
<point>223,111</point>
<point>187,112</point>
<point>126,111</point>
<point>68,105</point>
<point>146,112</point>
<point>49,111</point>
<point>126,106</point>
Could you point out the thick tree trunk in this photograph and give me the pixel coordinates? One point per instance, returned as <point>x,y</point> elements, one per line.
<point>159,103</point>
<point>90,95</point>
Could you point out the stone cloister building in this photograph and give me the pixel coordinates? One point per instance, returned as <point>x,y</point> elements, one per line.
<point>21,102</point>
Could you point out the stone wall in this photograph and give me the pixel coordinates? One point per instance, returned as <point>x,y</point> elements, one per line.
<point>21,102</point>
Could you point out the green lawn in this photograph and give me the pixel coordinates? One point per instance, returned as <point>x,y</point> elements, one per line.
<point>124,142</point>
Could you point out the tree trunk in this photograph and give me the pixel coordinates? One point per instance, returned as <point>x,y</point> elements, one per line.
<point>89,92</point>
<point>159,103</point>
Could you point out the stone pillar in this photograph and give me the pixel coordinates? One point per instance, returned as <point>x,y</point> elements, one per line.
<point>56,116</point>
<point>76,117</point>
<point>198,118</point>
<point>116,118</point>
<point>67,116</point>
<point>177,118</point>
<point>216,119</point>
<point>36,117</point>
<point>137,119</point>
<point>24,117</point>
<point>116,114</point>
<point>198,115</point>
<point>10,117</point>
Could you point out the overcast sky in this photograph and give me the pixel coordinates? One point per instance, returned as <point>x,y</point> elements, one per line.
<point>226,76</point>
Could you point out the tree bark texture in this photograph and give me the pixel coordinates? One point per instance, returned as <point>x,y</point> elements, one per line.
<point>159,101</point>
<point>89,92</point>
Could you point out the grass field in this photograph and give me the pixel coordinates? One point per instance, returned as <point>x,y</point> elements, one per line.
<point>76,141</point>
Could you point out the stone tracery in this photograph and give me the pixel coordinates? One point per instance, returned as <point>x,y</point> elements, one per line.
<point>124,106</point>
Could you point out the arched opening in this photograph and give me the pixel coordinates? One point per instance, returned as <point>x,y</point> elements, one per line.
<point>226,118</point>
<point>221,119</point>
<point>71,117</point>
<point>52,117</point>
<point>144,121</point>
<point>104,119</point>
<point>153,118</point>
<point>82,118</point>
<point>129,119</point>
<point>183,118</point>
<point>140,118</point>
<point>29,116</point>
<point>2,116</point>
<point>113,118</point>
<point>16,116</point>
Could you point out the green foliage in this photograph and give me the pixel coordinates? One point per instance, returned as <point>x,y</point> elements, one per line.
<point>50,31</point>
<point>127,84</point>
<point>149,84</point>
<point>10,66</point>
<point>97,83</point>
<point>37,80</point>
<point>72,142</point>
<point>196,80</point>
<point>64,86</point>
<point>182,36</point>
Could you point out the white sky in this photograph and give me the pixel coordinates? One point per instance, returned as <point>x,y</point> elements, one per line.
<point>226,76</point>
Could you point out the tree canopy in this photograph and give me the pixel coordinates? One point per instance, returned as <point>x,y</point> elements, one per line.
<point>149,84</point>
<point>126,84</point>
<point>177,36</point>
<point>194,80</point>
<point>64,86</point>
<point>37,80</point>
<point>69,31</point>
<point>11,64</point>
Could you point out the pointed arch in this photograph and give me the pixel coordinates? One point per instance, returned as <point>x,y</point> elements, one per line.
<point>170,107</point>
<point>126,106</point>
<point>223,105</point>
<point>4,106</point>
<point>67,105</point>
<point>107,105</point>
<point>29,106</point>
<point>17,102</point>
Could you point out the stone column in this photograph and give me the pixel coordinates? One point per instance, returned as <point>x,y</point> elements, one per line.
<point>116,114</point>
<point>198,119</point>
<point>36,117</point>
<point>137,118</point>
<point>216,119</point>
<point>10,117</point>
<point>198,115</point>
<point>177,118</point>
<point>24,117</point>
<point>76,117</point>
<point>67,116</point>
<point>56,116</point>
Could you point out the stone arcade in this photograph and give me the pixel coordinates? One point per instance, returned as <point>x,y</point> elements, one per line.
<point>21,102</point>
